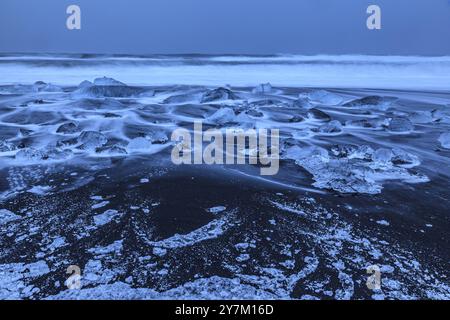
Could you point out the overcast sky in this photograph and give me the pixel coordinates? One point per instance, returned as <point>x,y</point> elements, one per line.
<point>413,27</point>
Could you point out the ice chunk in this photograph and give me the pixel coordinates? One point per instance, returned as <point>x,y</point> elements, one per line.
<point>56,154</point>
<point>442,116</point>
<point>114,150</point>
<point>7,216</point>
<point>217,209</point>
<point>139,144</point>
<point>160,252</point>
<point>332,127</point>
<point>444,139</point>
<point>318,114</point>
<point>381,103</point>
<point>114,91</point>
<point>223,116</point>
<point>157,137</point>
<point>404,159</point>
<point>263,88</point>
<point>382,156</point>
<point>40,86</point>
<point>302,103</point>
<point>30,154</point>
<point>85,84</point>
<point>90,140</point>
<point>108,82</point>
<point>400,125</point>
<point>218,94</point>
<point>254,113</point>
<point>6,146</point>
<point>343,151</point>
<point>368,123</point>
<point>324,97</point>
<point>363,152</point>
<point>421,117</point>
<point>105,217</point>
<point>67,128</point>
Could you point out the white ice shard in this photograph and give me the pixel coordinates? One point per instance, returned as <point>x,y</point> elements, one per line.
<point>444,139</point>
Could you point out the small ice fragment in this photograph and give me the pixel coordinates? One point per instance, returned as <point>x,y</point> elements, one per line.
<point>383,222</point>
<point>40,190</point>
<point>105,217</point>
<point>160,252</point>
<point>217,209</point>
<point>243,257</point>
<point>100,205</point>
<point>144,180</point>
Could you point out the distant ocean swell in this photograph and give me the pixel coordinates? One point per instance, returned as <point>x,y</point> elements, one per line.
<point>350,71</point>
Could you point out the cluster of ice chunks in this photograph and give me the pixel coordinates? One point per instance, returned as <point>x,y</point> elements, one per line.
<point>218,94</point>
<point>355,169</point>
<point>32,154</point>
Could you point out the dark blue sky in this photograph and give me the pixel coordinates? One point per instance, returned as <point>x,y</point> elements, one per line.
<point>414,27</point>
